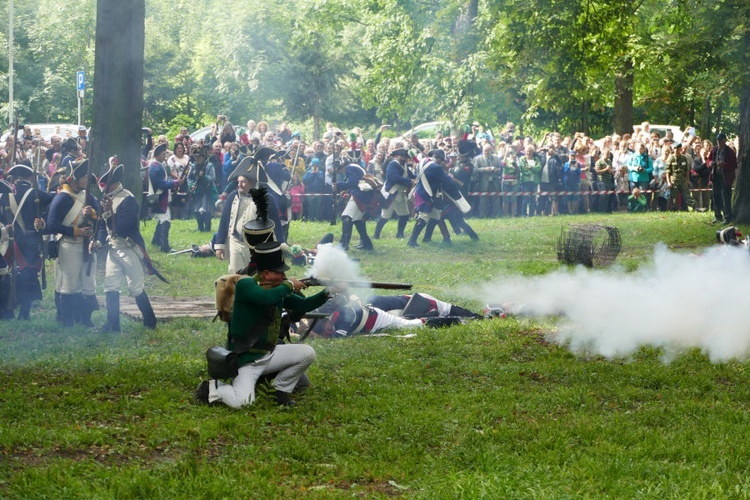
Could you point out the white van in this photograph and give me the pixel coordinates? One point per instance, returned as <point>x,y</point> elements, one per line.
<point>47,130</point>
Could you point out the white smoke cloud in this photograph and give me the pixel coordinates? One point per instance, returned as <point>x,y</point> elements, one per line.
<point>677,301</point>
<point>332,264</point>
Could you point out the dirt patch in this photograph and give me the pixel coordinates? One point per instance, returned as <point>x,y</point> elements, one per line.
<point>168,307</point>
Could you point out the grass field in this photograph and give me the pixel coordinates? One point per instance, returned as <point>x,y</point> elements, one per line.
<point>486,409</point>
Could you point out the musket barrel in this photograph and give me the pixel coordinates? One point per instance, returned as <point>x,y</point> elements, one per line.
<point>359,284</point>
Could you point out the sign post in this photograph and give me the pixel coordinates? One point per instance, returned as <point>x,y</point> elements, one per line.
<point>81,89</point>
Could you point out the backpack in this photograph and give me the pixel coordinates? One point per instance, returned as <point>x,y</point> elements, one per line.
<point>225,287</point>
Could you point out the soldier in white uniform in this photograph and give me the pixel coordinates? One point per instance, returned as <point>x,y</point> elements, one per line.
<point>72,214</point>
<point>240,208</point>
<point>120,232</point>
<point>398,182</point>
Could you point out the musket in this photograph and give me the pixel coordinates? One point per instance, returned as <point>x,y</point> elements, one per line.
<point>197,172</point>
<point>312,318</point>
<point>333,182</point>
<point>193,248</point>
<point>90,262</point>
<point>312,281</point>
<point>350,284</point>
<point>183,176</point>
<point>37,202</point>
<point>11,303</point>
<point>12,152</point>
<point>294,166</point>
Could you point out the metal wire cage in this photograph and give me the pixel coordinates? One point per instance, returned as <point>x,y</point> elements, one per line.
<point>591,245</point>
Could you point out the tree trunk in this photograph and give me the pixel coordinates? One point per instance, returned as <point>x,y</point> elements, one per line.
<point>473,10</point>
<point>705,127</point>
<point>741,198</point>
<point>623,112</point>
<point>118,88</point>
<point>584,117</point>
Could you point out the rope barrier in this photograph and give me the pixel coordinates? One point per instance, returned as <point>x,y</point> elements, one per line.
<point>536,193</point>
<point>530,193</point>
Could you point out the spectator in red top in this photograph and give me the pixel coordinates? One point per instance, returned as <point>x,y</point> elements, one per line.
<point>723,164</point>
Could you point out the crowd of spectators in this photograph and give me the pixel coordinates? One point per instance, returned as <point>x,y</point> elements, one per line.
<point>512,175</point>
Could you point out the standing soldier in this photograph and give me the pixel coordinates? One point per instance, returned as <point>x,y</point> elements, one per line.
<point>278,178</point>
<point>361,195</point>
<point>240,208</point>
<point>678,170</point>
<point>28,206</point>
<point>435,189</point>
<point>72,214</point>
<point>398,180</point>
<point>126,250</point>
<point>161,186</point>
<point>463,170</point>
<point>202,186</point>
<point>6,231</point>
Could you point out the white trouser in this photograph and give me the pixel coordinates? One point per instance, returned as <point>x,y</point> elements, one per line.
<point>352,210</point>
<point>124,263</point>
<point>290,360</point>
<point>443,308</point>
<point>239,254</point>
<point>70,270</point>
<point>399,205</point>
<point>434,214</point>
<point>388,320</point>
<point>165,217</point>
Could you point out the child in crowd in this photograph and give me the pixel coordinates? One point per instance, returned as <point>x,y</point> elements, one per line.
<point>296,192</point>
<point>622,187</point>
<point>637,201</point>
<point>662,188</point>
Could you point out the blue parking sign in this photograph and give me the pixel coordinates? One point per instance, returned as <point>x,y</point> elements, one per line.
<point>80,80</point>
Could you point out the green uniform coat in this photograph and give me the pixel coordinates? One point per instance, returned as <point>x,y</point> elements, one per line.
<point>256,316</point>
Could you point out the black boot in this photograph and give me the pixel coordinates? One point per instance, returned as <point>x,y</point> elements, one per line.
<point>88,304</point>
<point>327,238</point>
<point>379,227</point>
<point>144,305</point>
<point>415,232</point>
<point>463,313</point>
<point>444,232</point>
<point>207,222</point>
<point>113,312</point>
<point>164,244</point>
<point>468,230</point>
<point>66,309</point>
<point>364,240</point>
<point>402,220</point>
<point>442,322</point>
<point>25,310</point>
<point>156,240</point>
<point>284,399</point>
<point>429,230</point>
<point>346,232</point>
<point>6,310</point>
<point>58,307</point>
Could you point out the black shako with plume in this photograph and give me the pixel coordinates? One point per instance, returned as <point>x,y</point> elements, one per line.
<point>260,229</point>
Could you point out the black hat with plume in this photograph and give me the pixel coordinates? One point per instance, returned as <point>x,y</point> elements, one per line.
<point>259,230</point>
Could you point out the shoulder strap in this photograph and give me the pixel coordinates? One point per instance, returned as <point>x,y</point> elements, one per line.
<point>75,210</point>
<point>16,208</point>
